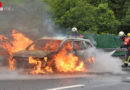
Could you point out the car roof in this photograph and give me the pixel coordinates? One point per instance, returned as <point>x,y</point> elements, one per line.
<point>53,38</point>
<point>64,38</point>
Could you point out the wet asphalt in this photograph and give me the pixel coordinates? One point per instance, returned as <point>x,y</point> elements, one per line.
<point>83,81</point>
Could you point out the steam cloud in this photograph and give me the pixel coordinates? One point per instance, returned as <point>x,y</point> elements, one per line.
<point>104,61</point>
<point>33,18</point>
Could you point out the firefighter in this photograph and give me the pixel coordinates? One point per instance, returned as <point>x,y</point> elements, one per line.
<point>75,33</point>
<point>126,44</point>
<point>128,34</point>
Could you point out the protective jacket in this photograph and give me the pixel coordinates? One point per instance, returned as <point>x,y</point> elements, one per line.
<point>126,42</point>
<point>75,34</point>
<point>0,4</point>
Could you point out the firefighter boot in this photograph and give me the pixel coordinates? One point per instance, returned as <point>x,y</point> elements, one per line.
<point>125,65</point>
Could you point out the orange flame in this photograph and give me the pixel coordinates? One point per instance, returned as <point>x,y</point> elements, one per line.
<point>91,59</point>
<point>17,42</point>
<point>68,62</point>
<point>38,66</point>
<point>48,45</point>
<point>65,60</point>
<point>11,64</point>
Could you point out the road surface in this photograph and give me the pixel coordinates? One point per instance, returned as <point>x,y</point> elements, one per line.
<point>83,81</point>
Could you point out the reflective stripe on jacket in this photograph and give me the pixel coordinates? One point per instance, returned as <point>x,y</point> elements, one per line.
<point>127,42</point>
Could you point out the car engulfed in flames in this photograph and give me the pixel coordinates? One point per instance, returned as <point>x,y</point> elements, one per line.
<point>46,55</point>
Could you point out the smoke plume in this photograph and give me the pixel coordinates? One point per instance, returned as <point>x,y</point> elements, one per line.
<point>104,61</point>
<point>31,17</point>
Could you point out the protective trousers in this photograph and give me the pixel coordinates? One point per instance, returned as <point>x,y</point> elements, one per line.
<point>127,57</point>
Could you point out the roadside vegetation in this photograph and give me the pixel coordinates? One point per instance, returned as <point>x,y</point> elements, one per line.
<point>89,16</point>
<point>92,16</point>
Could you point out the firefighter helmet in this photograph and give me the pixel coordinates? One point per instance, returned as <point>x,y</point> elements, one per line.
<point>74,29</point>
<point>121,33</point>
<point>128,34</point>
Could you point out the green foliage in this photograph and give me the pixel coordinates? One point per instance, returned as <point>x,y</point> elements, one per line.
<point>118,7</point>
<point>106,21</point>
<point>126,20</point>
<point>91,16</point>
<point>86,15</point>
<point>81,16</point>
<point>96,2</point>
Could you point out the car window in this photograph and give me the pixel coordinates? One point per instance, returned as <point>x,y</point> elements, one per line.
<point>67,46</point>
<point>88,45</point>
<point>47,45</point>
<point>81,45</point>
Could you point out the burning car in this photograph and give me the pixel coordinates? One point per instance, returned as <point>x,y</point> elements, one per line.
<point>48,54</point>
<point>48,47</point>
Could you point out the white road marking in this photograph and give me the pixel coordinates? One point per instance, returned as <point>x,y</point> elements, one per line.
<point>103,85</point>
<point>66,87</point>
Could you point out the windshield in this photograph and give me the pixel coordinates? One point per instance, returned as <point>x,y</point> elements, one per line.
<point>47,45</point>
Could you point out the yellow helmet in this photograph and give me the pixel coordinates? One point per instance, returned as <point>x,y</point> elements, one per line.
<point>128,34</point>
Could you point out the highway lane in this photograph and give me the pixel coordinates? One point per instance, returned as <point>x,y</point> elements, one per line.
<point>84,81</point>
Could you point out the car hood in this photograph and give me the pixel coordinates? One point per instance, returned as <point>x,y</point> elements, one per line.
<point>33,53</point>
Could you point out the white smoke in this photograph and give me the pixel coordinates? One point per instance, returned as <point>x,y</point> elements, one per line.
<point>5,74</point>
<point>31,17</point>
<point>104,61</point>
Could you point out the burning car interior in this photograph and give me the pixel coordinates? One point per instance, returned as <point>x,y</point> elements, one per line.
<point>64,44</point>
<point>45,55</point>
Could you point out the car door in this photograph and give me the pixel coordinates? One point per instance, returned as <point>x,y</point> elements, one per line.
<point>80,47</point>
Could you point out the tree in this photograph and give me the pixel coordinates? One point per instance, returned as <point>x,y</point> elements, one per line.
<point>126,20</point>
<point>85,15</point>
<point>81,16</point>
<point>118,7</point>
<point>106,21</point>
<point>96,2</point>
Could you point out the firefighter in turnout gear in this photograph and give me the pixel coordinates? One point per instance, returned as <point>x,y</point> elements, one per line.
<point>75,33</point>
<point>126,44</point>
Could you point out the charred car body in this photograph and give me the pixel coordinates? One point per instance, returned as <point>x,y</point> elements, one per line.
<point>48,47</point>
